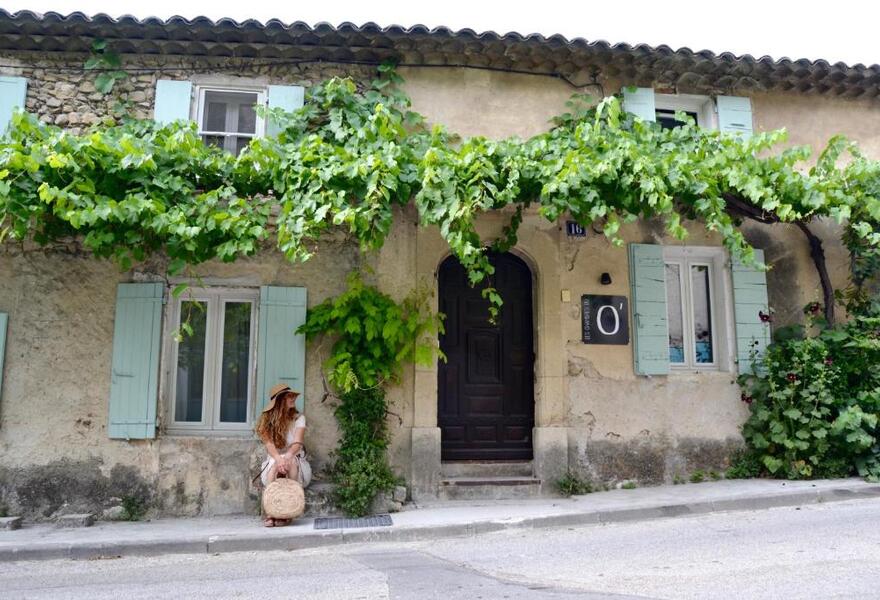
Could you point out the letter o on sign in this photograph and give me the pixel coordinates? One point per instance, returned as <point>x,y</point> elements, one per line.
<point>601,325</point>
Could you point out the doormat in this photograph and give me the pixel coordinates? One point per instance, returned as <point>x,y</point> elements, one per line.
<point>342,523</point>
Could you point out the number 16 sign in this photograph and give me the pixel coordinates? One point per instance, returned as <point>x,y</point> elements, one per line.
<point>605,319</point>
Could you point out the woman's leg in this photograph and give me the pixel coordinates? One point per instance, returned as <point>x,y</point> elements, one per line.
<point>271,475</point>
<point>293,470</point>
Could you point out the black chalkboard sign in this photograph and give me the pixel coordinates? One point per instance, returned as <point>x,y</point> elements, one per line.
<point>605,319</point>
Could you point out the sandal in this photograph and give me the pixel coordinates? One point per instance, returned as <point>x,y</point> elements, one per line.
<point>269,522</point>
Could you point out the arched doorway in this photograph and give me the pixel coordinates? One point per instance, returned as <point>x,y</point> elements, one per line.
<point>486,401</point>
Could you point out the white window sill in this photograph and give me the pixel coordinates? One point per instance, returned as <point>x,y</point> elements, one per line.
<point>210,433</point>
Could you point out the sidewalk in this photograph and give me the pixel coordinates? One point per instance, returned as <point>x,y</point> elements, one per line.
<point>426,522</point>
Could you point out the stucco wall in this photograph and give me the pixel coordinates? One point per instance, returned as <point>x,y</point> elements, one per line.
<point>53,412</point>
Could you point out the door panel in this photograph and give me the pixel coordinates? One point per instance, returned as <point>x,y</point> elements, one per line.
<point>486,387</point>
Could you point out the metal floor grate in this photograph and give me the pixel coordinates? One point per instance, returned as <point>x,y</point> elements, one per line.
<point>342,523</point>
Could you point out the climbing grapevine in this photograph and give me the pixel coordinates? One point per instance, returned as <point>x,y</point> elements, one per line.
<point>351,155</point>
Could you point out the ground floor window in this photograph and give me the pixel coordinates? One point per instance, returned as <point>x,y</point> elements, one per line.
<point>212,379</point>
<point>695,302</point>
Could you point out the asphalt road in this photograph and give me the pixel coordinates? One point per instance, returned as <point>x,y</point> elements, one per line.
<point>818,551</point>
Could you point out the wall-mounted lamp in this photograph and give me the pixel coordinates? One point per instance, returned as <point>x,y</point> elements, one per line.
<point>605,279</point>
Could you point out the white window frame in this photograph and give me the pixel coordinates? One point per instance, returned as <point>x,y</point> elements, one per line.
<point>703,106</point>
<point>215,297</point>
<point>202,90</point>
<point>721,305</point>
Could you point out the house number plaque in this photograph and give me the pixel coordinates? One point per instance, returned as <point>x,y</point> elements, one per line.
<point>605,319</point>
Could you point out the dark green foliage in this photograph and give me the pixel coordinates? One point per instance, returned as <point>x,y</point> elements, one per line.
<point>374,336</point>
<point>698,476</point>
<point>572,484</point>
<point>135,507</point>
<point>815,402</point>
<point>745,464</point>
<point>361,470</point>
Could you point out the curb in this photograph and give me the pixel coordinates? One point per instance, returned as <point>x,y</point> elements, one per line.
<point>216,544</point>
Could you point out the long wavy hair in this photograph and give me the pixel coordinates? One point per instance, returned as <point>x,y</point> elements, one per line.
<point>273,424</point>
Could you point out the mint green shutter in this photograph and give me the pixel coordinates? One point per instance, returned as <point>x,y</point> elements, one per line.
<point>173,101</point>
<point>137,331</point>
<point>640,102</point>
<point>750,298</point>
<point>282,352</point>
<point>4,321</point>
<point>734,114</point>
<point>13,93</point>
<point>647,274</point>
<point>287,97</point>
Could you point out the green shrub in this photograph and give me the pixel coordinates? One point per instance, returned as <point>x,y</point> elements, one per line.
<point>745,464</point>
<point>135,508</point>
<point>572,484</point>
<point>698,476</point>
<point>374,337</point>
<point>361,469</point>
<point>629,485</point>
<point>814,402</point>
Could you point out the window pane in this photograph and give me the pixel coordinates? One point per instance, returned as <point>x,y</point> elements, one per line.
<point>240,144</point>
<point>234,383</point>
<point>674,314</point>
<point>666,118</point>
<point>702,314</point>
<point>214,140</point>
<point>247,118</point>
<point>215,115</point>
<point>189,388</point>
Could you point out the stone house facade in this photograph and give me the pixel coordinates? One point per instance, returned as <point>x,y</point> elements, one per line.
<point>99,402</point>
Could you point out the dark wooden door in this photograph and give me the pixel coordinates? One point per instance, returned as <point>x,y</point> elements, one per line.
<point>486,387</point>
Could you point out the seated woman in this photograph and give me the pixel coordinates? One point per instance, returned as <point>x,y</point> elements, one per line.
<point>282,429</point>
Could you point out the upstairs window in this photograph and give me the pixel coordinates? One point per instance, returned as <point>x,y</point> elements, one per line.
<point>228,119</point>
<point>700,108</point>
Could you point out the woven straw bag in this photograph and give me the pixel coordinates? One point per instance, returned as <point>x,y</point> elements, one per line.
<point>284,499</point>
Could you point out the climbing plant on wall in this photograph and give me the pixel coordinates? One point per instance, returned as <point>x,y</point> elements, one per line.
<point>350,156</point>
<point>373,336</point>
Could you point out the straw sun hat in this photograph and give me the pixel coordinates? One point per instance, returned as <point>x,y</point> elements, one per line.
<point>278,391</point>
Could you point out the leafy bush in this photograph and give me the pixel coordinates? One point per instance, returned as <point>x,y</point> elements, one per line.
<point>572,484</point>
<point>745,464</point>
<point>374,336</point>
<point>361,470</point>
<point>698,476</point>
<point>815,401</point>
<point>135,508</point>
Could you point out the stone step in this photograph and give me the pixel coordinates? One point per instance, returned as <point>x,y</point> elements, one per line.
<point>489,488</point>
<point>78,520</point>
<point>319,500</point>
<point>501,468</point>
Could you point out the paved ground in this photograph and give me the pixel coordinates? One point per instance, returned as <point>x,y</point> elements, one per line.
<point>815,551</point>
<point>451,519</point>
